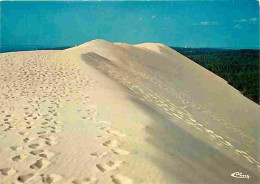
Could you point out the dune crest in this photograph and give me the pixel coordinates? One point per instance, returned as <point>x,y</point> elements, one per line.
<point>116,113</point>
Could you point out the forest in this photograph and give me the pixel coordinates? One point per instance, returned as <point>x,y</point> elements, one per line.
<point>240,68</point>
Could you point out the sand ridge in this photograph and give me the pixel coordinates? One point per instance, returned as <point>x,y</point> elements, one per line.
<point>170,109</point>
<point>97,113</point>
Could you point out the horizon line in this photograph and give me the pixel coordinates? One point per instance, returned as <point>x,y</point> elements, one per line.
<point>186,47</point>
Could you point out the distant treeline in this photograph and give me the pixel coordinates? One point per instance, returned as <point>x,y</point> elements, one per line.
<point>240,68</point>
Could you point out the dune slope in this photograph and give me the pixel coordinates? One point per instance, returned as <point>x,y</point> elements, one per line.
<point>109,113</point>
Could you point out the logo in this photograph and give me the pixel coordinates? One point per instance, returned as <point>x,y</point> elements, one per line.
<point>239,175</point>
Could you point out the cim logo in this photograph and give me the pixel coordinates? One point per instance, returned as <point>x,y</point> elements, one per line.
<point>239,175</point>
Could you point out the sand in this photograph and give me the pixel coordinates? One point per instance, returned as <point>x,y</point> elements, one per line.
<point>113,113</point>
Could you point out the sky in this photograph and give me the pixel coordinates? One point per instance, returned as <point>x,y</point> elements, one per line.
<point>216,24</point>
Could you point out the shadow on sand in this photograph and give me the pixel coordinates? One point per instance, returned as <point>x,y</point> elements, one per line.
<point>186,159</point>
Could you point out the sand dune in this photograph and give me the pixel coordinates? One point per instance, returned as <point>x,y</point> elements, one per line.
<point>113,113</point>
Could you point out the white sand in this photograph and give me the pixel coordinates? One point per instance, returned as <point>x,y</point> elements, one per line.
<point>122,114</point>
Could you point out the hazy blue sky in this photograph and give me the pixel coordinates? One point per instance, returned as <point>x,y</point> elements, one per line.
<point>179,23</point>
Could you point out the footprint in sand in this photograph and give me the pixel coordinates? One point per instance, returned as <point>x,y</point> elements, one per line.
<point>45,123</point>
<point>56,114</point>
<point>96,154</point>
<point>43,132</point>
<point>29,127</point>
<point>48,119</point>
<point>55,131</point>
<point>85,181</point>
<point>111,143</point>
<point>116,133</point>
<point>50,143</point>
<point>120,179</point>
<point>7,171</point>
<point>51,178</point>
<point>51,138</point>
<point>120,151</point>
<point>25,178</point>
<point>19,158</point>
<point>23,133</point>
<point>109,166</point>
<point>40,164</point>
<point>58,122</point>
<point>45,126</point>
<point>56,127</point>
<point>7,129</point>
<point>16,148</point>
<point>102,127</point>
<point>45,136</point>
<point>36,152</point>
<point>34,146</point>
<point>46,154</point>
<point>27,139</point>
